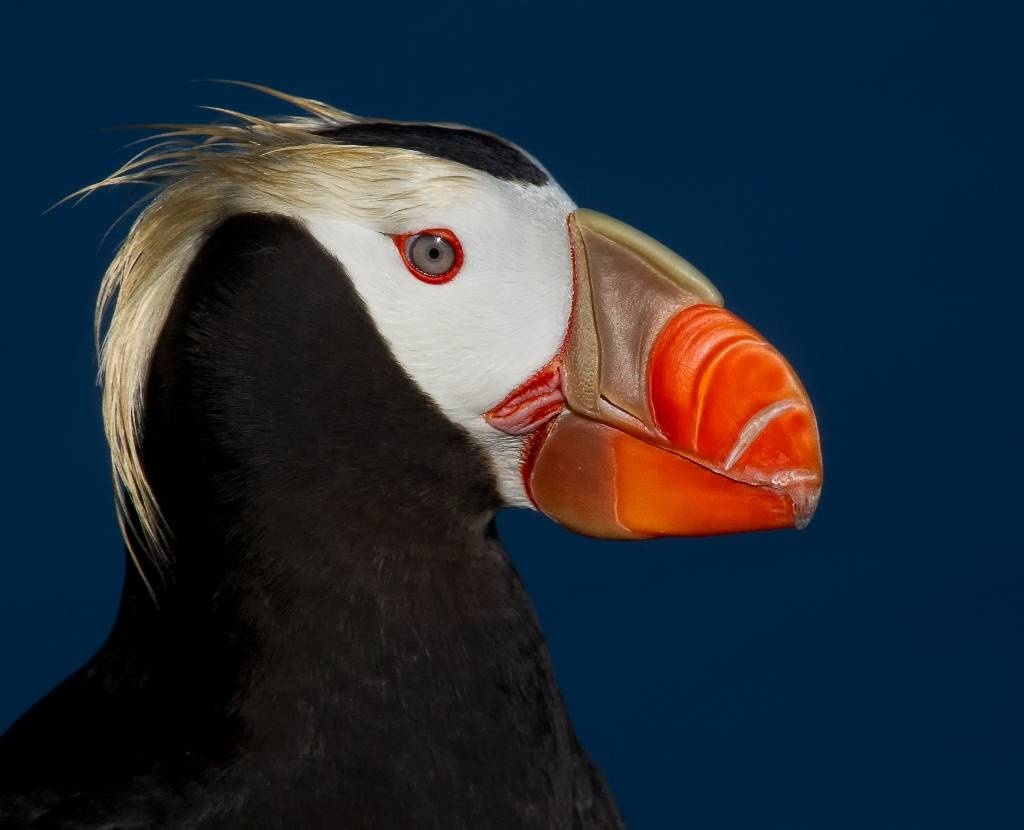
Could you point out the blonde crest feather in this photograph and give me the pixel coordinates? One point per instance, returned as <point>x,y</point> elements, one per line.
<point>201,174</point>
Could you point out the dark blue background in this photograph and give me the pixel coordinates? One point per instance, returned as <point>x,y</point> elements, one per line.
<point>849,176</point>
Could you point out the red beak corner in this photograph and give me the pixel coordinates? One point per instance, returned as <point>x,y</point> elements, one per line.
<point>673,416</point>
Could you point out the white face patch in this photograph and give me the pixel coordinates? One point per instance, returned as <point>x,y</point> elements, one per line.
<point>467,343</point>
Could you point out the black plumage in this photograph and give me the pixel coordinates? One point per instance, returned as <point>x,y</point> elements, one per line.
<point>472,148</point>
<point>341,641</point>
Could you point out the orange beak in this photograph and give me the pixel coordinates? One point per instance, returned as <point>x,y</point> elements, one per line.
<point>664,414</point>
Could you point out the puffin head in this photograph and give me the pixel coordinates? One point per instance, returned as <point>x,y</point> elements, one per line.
<point>597,371</point>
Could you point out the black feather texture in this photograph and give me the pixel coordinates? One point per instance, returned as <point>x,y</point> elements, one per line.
<point>479,150</point>
<point>344,643</point>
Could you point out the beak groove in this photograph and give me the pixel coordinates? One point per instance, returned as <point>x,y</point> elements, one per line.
<point>754,427</point>
<point>663,414</point>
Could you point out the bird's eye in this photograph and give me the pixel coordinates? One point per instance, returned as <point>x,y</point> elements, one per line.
<point>433,255</point>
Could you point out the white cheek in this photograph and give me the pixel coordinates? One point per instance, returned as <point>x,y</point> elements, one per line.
<point>469,342</point>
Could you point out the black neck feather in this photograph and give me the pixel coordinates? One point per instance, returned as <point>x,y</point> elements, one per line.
<point>342,641</point>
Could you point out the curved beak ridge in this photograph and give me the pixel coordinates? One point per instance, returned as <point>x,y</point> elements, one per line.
<point>678,418</point>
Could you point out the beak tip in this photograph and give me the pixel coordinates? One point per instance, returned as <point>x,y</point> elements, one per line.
<point>802,518</point>
<point>676,417</point>
<point>805,493</point>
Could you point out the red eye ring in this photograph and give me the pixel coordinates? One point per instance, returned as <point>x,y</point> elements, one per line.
<point>404,242</point>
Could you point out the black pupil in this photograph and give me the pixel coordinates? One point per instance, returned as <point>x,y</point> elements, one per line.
<point>432,254</point>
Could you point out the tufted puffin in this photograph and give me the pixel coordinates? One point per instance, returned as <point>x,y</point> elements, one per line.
<point>335,347</point>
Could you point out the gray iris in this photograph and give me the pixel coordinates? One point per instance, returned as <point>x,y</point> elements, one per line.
<point>432,254</point>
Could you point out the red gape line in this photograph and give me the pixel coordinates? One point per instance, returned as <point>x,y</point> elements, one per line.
<point>539,398</point>
<point>531,403</point>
